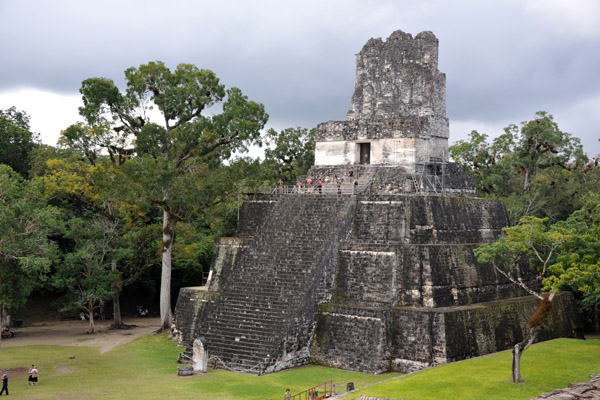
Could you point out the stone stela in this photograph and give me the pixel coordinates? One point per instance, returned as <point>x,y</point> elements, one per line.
<point>382,279</point>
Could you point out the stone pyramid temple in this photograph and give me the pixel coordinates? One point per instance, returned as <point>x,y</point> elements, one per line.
<point>374,272</point>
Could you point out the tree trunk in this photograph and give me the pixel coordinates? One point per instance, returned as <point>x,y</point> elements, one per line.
<point>165,279</point>
<point>117,323</point>
<point>526,181</point>
<point>92,327</point>
<point>516,364</point>
<point>597,320</point>
<point>518,351</point>
<point>535,322</point>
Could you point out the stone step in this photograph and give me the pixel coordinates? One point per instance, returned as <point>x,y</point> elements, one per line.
<point>239,308</point>
<point>257,302</point>
<point>300,261</point>
<point>251,307</point>
<point>244,366</point>
<point>259,324</point>
<point>289,271</point>
<point>238,314</point>
<point>280,280</point>
<point>250,353</point>
<point>253,315</point>
<point>250,332</point>
<point>272,278</point>
<point>241,357</point>
<point>254,302</point>
<point>243,339</point>
<point>296,277</point>
<point>235,335</point>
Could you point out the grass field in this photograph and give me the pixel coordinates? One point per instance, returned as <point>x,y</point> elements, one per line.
<point>545,367</point>
<point>146,369</point>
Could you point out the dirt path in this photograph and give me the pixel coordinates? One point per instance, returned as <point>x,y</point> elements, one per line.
<point>74,333</point>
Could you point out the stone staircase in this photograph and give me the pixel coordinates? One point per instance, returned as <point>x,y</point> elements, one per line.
<point>262,318</point>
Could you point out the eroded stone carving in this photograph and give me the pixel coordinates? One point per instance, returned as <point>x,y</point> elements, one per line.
<point>397,114</point>
<point>398,78</point>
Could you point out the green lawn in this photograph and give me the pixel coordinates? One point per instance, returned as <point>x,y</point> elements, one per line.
<point>146,369</point>
<point>544,366</point>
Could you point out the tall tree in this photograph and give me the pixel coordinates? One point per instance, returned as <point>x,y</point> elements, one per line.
<point>16,140</point>
<point>531,239</point>
<point>86,271</point>
<point>524,166</point>
<point>292,153</point>
<point>174,156</point>
<point>542,144</point>
<point>89,190</point>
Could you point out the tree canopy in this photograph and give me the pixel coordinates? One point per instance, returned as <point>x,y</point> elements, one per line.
<point>16,140</point>
<point>293,153</point>
<point>537,169</point>
<point>27,248</point>
<point>170,163</point>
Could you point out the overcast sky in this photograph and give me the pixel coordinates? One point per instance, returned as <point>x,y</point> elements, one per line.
<point>504,60</point>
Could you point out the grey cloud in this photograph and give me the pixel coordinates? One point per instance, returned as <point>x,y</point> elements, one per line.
<point>502,61</point>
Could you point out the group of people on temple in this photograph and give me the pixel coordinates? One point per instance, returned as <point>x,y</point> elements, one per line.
<point>311,186</point>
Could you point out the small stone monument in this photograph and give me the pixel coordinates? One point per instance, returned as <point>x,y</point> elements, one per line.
<point>200,357</point>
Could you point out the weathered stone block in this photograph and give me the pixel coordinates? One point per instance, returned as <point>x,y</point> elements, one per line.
<point>411,338</point>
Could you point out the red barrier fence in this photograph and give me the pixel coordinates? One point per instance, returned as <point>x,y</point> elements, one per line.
<point>322,391</point>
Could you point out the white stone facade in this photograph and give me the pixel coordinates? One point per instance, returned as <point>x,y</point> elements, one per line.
<point>397,114</point>
<point>382,151</point>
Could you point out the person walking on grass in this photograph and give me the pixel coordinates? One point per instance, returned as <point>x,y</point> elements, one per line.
<point>4,384</point>
<point>288,395</point>
<point>33,375</point>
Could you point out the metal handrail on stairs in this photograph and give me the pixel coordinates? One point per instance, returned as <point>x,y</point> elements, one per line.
<point>321,391</point>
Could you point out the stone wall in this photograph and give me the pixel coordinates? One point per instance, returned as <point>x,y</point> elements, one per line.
<point>194,303</point>
<point>428,219</point>
<point>397,141</point>
<point>352,338</point>
<point>417,275</point>
<point>410,294</point>
<point>406,339</point>
<point>395,128</point>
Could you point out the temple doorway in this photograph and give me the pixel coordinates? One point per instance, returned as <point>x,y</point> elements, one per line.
<point>365,153</point>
